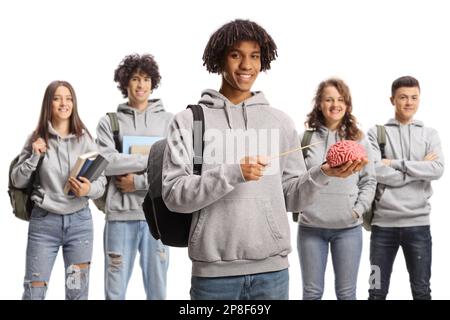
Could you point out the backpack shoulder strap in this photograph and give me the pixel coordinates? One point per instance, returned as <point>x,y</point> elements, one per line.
<point>115,129</point>
<point>199,131</point>
<point>306,140</point>
<point>35,174</point>
<point>381,139</point>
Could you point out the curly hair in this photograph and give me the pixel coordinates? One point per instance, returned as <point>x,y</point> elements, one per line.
<point>132,63</point>
<point>348,128</point>
<point>232,32</point>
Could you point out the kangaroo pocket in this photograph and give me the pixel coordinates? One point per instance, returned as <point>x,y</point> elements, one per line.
<point>408,199</point>
<point>331,210</point>
<point>239,229</point>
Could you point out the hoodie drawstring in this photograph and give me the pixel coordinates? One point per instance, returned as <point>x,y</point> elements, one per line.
<point>227,113</point>
<point>226,107</point>
<point>244,111</point>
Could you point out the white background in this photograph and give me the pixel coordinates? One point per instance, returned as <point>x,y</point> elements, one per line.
<point>366,43</point>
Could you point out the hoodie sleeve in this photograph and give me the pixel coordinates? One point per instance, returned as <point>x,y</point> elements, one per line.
<point>385,174</point>
<point>119,163</point>
<point>299,185</point>
<point>367,183</point>
<point>140,181</point>
<point>28,160</point>
<point>183,191</point>
<point>424,170</point>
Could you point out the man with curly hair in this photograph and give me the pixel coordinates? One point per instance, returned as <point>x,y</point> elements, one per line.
<point>239,239</point>
<point>126,231</point>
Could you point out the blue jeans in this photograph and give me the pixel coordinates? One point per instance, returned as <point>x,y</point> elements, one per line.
<point>346,247</point>
<point>122,240</point>
<point>46,233</point>
<point>260,286</point>
<point>416,246</point>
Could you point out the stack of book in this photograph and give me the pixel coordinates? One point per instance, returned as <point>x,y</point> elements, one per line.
<point>89,165</point>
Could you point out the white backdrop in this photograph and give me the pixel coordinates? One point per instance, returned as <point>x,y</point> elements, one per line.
<point>366,43</point>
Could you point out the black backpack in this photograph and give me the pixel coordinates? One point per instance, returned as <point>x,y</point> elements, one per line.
<point>171,227</point>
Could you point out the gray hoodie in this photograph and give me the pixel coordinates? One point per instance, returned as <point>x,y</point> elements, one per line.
<point>336,202</point>
<point>152,121</point>
<point>60,157</point>
<point>241,227</point>
<point>404,188</point>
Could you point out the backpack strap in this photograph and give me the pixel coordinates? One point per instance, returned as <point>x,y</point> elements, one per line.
<point>306,140</point>
<point>115,129</point>
<point>199,131</point>
<point>35,182</point>
<point>381,139</point>
<point>35,174</point>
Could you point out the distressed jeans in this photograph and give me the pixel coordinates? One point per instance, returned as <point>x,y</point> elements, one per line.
<point>345,246</point>
<point>122,240</point>
<point>260,286</point>
<point>47,232</point>
<point>416,245</point>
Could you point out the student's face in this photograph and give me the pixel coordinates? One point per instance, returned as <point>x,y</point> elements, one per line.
<point>139,89</point>
<point>62,104</point>
<point>333,106</point>
<point>241,66</point>
<point>406,102</point>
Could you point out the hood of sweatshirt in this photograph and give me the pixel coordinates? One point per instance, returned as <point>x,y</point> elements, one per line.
<point>395,122</point>
<point>215,100</point>
<point>154,106</point>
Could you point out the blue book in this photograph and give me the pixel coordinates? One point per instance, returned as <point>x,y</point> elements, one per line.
<point>85,166</point>
<point>128,142</point>
<point>82,164</point>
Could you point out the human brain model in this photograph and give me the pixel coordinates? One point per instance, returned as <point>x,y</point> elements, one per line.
<point>343,151</point>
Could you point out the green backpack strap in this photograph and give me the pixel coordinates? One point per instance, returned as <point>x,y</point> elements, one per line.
<point>306,140</point>
<point>381,139</point>
<point>115,129</point>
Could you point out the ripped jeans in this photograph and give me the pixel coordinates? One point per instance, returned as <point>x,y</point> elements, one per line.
<point>122,240</point>
<point>46,233</point>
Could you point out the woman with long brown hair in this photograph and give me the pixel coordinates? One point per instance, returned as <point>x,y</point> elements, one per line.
<point>58,219</point>
<point>335,218</point>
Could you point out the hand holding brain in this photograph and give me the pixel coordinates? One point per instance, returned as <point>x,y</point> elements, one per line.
<point>343,151</point>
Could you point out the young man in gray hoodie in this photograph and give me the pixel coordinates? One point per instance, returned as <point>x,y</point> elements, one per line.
<point>413,158</point>
<point>239,238</point>
<point>126,231</point>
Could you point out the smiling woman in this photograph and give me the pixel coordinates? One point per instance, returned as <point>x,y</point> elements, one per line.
<point>62,106</point>
<point>60,138</point>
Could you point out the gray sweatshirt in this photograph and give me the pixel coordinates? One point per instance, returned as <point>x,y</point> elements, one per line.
<point>152,121</point>
<point>60,157</point>
<point>335,204</point>
<point>238,227</point>
<point>404,188</point>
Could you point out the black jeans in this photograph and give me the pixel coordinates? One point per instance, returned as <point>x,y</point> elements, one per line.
<point>416,246</point>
